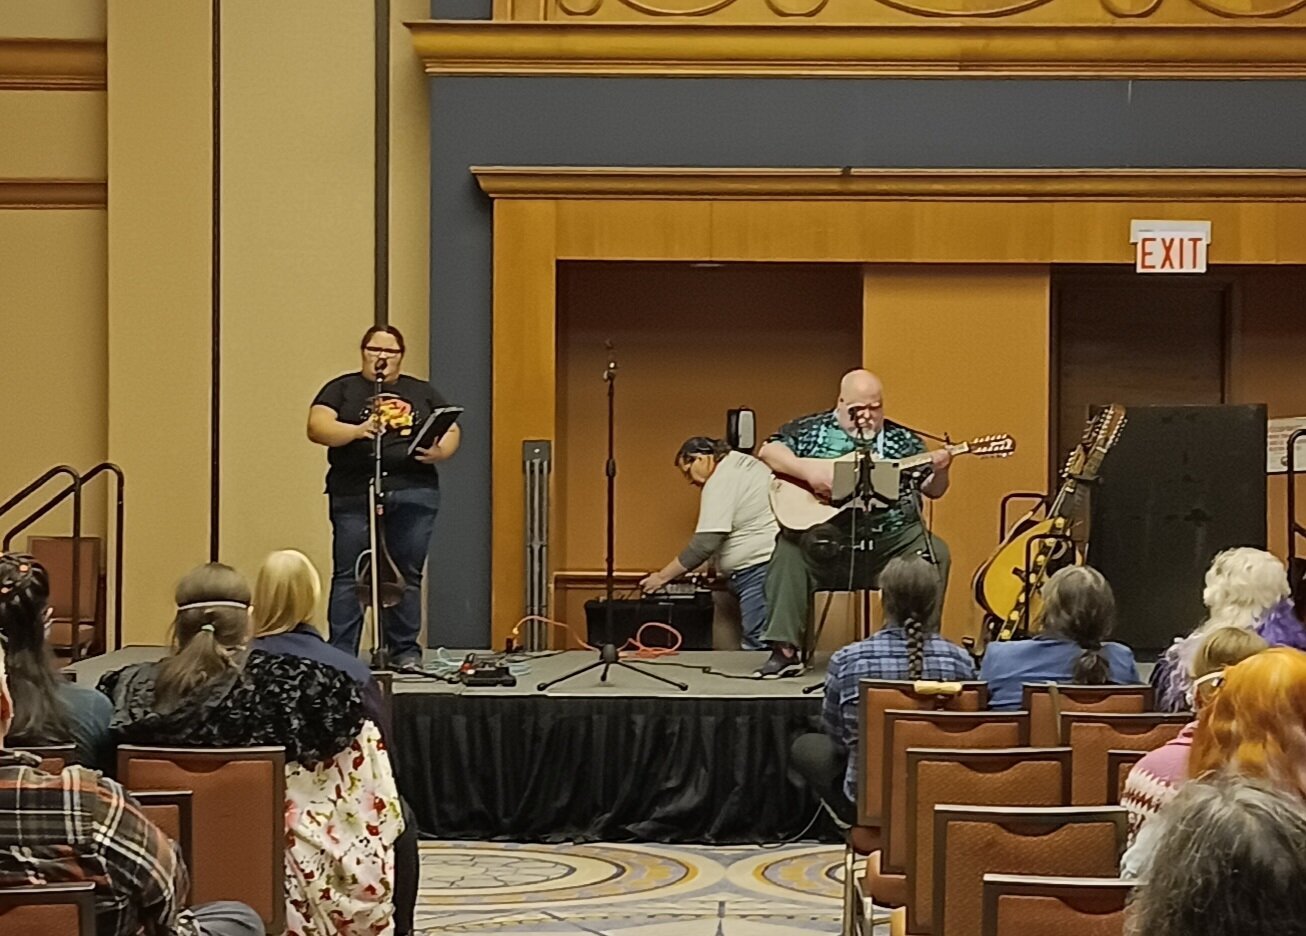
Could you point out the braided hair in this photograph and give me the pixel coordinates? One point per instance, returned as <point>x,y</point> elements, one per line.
<point>909,591</point>
<point>211,625</point>
<point>39,715</point>
<point>1079,606</point>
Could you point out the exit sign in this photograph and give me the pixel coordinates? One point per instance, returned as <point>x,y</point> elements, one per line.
<point>1170,246</point>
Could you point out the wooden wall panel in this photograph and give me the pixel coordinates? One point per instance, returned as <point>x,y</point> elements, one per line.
<point>525,385</point>
<point>965,350</point>
<point>1266,365</point>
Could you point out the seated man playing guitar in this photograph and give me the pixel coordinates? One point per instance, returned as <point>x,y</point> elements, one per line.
<point>804,451</point>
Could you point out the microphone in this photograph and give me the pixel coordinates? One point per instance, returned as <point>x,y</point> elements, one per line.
<point>380,367</point>
<point>610,372</point>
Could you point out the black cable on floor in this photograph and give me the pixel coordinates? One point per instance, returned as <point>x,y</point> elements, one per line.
<point>807,828</point>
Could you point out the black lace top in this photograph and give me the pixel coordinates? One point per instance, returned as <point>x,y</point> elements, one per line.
<point>312,710</point>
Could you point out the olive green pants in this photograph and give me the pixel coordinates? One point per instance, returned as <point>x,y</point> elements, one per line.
<point>792,577</point>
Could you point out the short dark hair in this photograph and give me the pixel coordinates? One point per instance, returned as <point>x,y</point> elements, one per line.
<point>701,445</point>
<point>383,329</point>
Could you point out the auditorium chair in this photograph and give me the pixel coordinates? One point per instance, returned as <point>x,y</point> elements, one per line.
<point>972,841</point>
<point>65,909</point>
<point>238,818</point>
<point>172,812</point>
<point>1091,735</point>
<point>1016,905</point>
<point>885,882</point>
<point>56,554</point>
<point>1046,701</point>
<point>54,757</point>
<point>875,697</point>
<point>998,777</point>
<point>1118,765</point>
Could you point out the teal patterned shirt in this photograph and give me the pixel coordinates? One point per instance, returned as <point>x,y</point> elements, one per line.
<point>821,436</point>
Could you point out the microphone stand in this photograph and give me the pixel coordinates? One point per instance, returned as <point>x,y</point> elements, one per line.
<point>609,655</point>
<point>376,503</point>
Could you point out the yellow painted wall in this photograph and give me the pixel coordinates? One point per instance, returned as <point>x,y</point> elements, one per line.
<point>965,350</point>
<point>296,257</point>
<point>159,322</point>
<point>54,358</point>
<point>52,19</point>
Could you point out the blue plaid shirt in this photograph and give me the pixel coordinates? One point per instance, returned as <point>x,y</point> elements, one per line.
<point>881,656</point>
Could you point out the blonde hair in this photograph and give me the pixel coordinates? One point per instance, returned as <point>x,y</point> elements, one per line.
<point>1241,585</point>
<point>1226,646</point>
<point>286,592</point>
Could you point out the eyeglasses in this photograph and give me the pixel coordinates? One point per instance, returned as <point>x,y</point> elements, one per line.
<point>373,349</point>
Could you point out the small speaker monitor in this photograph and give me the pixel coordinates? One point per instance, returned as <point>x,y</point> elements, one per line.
<point>741,429</point>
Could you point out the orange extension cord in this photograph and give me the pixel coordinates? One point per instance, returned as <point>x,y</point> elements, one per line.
<point>633,647</point>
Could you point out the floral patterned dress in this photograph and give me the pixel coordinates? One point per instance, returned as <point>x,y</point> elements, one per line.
<point>342,807</point>
<point>342,819</point>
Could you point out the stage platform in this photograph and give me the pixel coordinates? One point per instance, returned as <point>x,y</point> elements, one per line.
<point>631,759</point>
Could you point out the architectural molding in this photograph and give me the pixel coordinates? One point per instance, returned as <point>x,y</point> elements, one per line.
<point>928,47</point>
<point>53,193</point>
<point>1059,185</point>
<point>53,65</point>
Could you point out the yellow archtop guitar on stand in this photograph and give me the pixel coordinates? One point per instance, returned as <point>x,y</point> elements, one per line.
<point>1006,586</point>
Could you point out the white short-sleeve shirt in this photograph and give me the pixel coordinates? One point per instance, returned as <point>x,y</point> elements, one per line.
<point>736,501</point>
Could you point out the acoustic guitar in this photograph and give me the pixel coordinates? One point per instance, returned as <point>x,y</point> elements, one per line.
<point>797,508</point>
<point>1003,588</point>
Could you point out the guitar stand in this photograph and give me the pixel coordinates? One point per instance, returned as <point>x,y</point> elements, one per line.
<point>608,658</point>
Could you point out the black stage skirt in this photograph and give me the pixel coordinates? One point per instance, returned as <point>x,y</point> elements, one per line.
<point>711,770</point>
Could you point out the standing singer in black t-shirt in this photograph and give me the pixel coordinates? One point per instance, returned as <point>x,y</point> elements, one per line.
<point>345,418</point>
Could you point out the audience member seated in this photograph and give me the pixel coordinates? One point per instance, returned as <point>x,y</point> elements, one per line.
<point>1232,861</point>
<point>286,595</point>
<point>1078,614</point>
<point>907,647</point>
<point>77,826</point>
<point>1245,588</point>
<point>47,708</point>
<point>342,809</point>
<point>1157,777</point>
<point>1255,725</point>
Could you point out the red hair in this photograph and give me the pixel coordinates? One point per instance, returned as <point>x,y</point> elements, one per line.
<point>1256,724</point>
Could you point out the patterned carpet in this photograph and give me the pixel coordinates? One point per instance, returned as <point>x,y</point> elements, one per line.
<point>631,890</point>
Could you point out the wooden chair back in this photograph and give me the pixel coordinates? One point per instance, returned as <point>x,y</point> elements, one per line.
<point>65,909</point>
<point>877,696</point>
<point>232,789</point>
<point>997,777</point>
<point>1092,735</point>
<point>1017,905</point>
<point>1046,701</point>
<point>926,729</point>
<point>972,841</point>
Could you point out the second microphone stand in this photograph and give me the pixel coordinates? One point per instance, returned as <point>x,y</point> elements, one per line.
<point>609,656</point>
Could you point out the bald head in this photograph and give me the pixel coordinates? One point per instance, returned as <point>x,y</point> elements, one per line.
<point>861,402</point>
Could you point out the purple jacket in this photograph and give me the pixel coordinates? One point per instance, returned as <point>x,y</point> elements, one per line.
<point>1172,675</point>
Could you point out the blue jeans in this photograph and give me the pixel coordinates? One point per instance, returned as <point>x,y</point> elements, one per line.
<point>409,521</point>
<point>748,585</point>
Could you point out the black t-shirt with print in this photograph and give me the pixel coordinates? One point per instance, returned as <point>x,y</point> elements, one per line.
<point>405,404</point>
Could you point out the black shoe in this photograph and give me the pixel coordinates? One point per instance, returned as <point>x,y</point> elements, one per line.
<point>779,664</point>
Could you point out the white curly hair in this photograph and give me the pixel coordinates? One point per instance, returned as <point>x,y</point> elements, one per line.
<point>1241,585</point>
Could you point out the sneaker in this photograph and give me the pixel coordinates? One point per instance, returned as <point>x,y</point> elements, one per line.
<point>779,664</point>
<point>411,662</point>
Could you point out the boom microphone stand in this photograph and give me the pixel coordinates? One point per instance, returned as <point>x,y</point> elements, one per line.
<point>608,653</point>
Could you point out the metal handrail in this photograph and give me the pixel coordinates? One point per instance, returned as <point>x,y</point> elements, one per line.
<point>74,487</point>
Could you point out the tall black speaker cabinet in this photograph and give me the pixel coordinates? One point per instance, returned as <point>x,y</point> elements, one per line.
<point>1183,483</point>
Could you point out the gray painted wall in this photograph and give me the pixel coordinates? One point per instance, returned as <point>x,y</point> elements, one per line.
<point>767,122</point>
